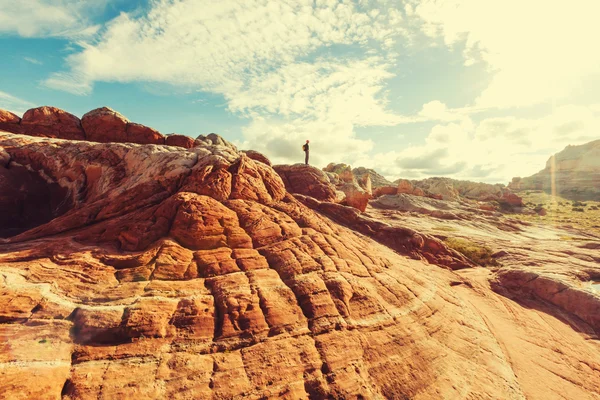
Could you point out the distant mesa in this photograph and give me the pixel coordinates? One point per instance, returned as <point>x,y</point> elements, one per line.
<point>573,173</point>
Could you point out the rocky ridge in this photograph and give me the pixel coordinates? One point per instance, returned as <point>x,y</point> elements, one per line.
<point>173,272</point>
<point>573,173</point>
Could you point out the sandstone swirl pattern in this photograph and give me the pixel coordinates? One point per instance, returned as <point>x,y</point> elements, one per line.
<point>192,273</point>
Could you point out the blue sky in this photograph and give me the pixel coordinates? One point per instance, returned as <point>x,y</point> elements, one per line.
<point>472,89</point>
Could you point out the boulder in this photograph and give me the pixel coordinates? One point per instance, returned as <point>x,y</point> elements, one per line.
<point>385,190</point>
<point>52,122</point>
<point>179,140</point>
<point>255,155</point>
<point>213,139</point>
<point>364,182</point>
<point>141,134</point>
<point>104,125</point>
<point>355,196</point>
<point>307,180</point>
<point>9,121</point>
<point>404,186</point>
<point>377,180</point>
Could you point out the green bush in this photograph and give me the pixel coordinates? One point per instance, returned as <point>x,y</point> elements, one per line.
<point>478,254</point>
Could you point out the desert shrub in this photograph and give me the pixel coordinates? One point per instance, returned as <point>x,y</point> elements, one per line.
<point>578,209</point>
<point>478,254</point>
<point>578,204</point>
<point>594,208</point>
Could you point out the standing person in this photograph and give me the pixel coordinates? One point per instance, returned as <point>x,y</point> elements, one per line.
<point>305,148</point>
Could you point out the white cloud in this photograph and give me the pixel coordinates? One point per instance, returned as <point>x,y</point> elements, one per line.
<point>493,150</point>
<point>33,60</point>
<point>260,55</point>
<point>540,51</point>
<point>49,18</point>
<point>14,104</point>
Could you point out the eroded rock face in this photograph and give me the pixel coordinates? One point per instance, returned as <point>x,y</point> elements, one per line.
<point>377,180</point>
<point>179,140</point>
<point>105,125</point>
<point>52,122</point>
<point>573,173</point>
<point>307,180</point>
<point>255,155</point>
<point>9,122</point>
<point>194,274</point>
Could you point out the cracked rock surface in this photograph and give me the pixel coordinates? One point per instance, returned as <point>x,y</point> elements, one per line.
<point>194,274</point>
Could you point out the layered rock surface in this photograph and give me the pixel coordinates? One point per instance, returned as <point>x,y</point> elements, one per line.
<point>573,173</point>
<point>193,273</point>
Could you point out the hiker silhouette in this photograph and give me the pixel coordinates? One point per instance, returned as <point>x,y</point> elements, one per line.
<point>306,150</point>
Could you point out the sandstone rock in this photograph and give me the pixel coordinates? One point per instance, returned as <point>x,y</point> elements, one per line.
<point>377,180</point>
<point>365,183</point>
<point>343,171</point>
<point>52,122</point>
<point>179,140</point>
<point>9,122</point>
<point>137,133</point>
<point>255,155</point>
<point>105,125</point>
<point>419,192</point>
<point>385,190</point>
<point>213,139</point>
<point>511,199</point>
<point>192,273</point>
<point>355,196</point>
<point>573,173</point>
<point>404,186</point>
<point>307,180</point>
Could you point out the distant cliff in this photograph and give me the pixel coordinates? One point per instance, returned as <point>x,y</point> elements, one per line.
<point>574,173</point>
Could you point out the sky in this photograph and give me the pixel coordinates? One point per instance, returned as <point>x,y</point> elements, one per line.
<point>482,90</point>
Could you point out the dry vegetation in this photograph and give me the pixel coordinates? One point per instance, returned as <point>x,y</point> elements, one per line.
<point>584,215</point>
<point>481,255</point>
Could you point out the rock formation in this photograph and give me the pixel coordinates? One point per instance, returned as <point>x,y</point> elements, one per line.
<point>165,272</point>
<point>51,122</point>
<point>377,180</point>
<point>255,155</point>
<point>307,180</point>
<point>573,173</point>
<point>454,190</point>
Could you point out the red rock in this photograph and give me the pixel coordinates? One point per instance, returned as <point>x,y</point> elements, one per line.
<point>52,122</point>
<point>9,122</point>
<point>180,273</point>
<point>255,155</point>
<point>385,190</point>
<point>355,196</point>
<point>419,192</point>
<point>105,125</point>
<point>307,180</point>
<point>511,199</point>
<point>137,133</point>
<point>179,140</point>
<point>404,186</point>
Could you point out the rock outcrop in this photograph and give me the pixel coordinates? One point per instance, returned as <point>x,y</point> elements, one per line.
<point>52,122</point>
<point>256,156</point>
<point>377,180</point>
<point>165,272</point>
<point>454,190</point>
<point>179,140</point>
<point>102,125</point>
<point>573,173</point>
<point>192,273</point>
<point>9,122</point>
<point>307,180</point>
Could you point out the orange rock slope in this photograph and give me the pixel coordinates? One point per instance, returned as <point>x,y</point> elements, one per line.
<point>166,272</point>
